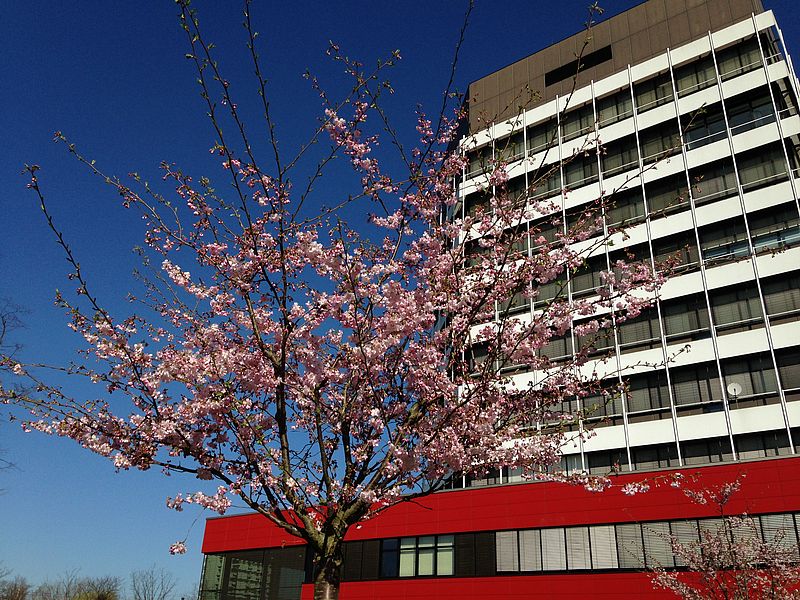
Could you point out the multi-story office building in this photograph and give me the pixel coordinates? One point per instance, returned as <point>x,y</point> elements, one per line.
<point>683,117</point>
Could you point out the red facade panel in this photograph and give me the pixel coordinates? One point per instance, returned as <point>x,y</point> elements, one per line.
<point>769,486</point>
<point>606,586</point>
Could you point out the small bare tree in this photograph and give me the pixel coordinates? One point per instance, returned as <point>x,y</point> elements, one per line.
<point>153,583</point>
<point>14,589</point>
<point>72,587</point>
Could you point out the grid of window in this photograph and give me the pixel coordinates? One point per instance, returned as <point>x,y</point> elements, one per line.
<point>698,388</point>
<point>417,556</point>
<point>623,546</point>
<point>275,573</point>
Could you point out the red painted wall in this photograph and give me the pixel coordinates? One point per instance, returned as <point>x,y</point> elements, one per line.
<point>769,486</point>
<point>606,586</point>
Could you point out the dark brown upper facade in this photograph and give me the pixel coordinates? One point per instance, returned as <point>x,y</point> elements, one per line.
<point>631,37</point>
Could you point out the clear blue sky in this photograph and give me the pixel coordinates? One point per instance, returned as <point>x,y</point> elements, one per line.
<point>113,77</point>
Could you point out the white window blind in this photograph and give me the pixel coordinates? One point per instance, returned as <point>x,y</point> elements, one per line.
<point>578,548</point>
<point>657,545</point>
<point>631,549</point>
<point>604,547</point>
<point>554,557</point>
<point>507,552</point>
<point>530,550</point>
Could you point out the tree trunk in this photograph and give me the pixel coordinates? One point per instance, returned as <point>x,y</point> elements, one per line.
<point>327,578</point>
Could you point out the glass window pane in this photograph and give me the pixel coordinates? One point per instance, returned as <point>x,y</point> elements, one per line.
<point>578,548</point>
<point>507,553</point>
<point>554,556</point>
<point>630,546</point>
<point>408,554</point>
<point>657,545</point>
<point>244,576</point>
<point>530,550</point>
<point>425,561</point>
<point>686,537</point>
<point>445,554</point>
<point>604,547</point>
<point>212,576</point>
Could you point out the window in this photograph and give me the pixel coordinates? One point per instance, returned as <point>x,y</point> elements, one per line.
<point>558,348</point>
<point>614,108</point>
<point>390,553</point>
<point>597,342</point>
<point>604,547</point>
<point>580,170</point>
<point>701,452</point>
<point>703,127</point>
<point>695,76</point>
<point>578,556</point>
<point>630,546</point>
<point>643,331</point>
<point>659,142</point>
<point>676,253</point>
<point>519,302</point>
<point>685,318</point>
<point>625,207</point>
<point>780,530</point>
<point>571,69</point>
<point>789,368</point>
<point>477,203</point>
<point>510,148</point>
<point>620,156</point>
<point>713,182</point>
<point>545,231</point>
<point>605,403</point>
<point>762,167</point>
<point>775,229</point>
<point>253,574</point>
<point>724,242</point>
<point>739,59</point>
<point>245,570</point>
<point>515,192</point>
<point>577,122</point>
<point>507,551</point>
<point>736,306</point>
<point>667,195</point>
<point>659,456</point>
<point>695,385</point>
<point>755,373</point>
<point>545,183</point>
<point>361,560</point>
<point>762,445</point>
<point>542,135</point>
<point>685,533</point>
<point>588,277</point>
<point>603,463</point>
<point>584,221</point>
<point>211,586</point>
<point>627,545</point>
<point>418,556</point>
<point>782,295</point>
<point>490,477</point>
<point>475,252</point>
<point>647,392</point>
<point>653,92</point>
<point>754,110</point>
<point>657,545</point>
<point>476,356</point>
<point>479,161</point>
<point>530,550</point>
<point>554,554</point>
